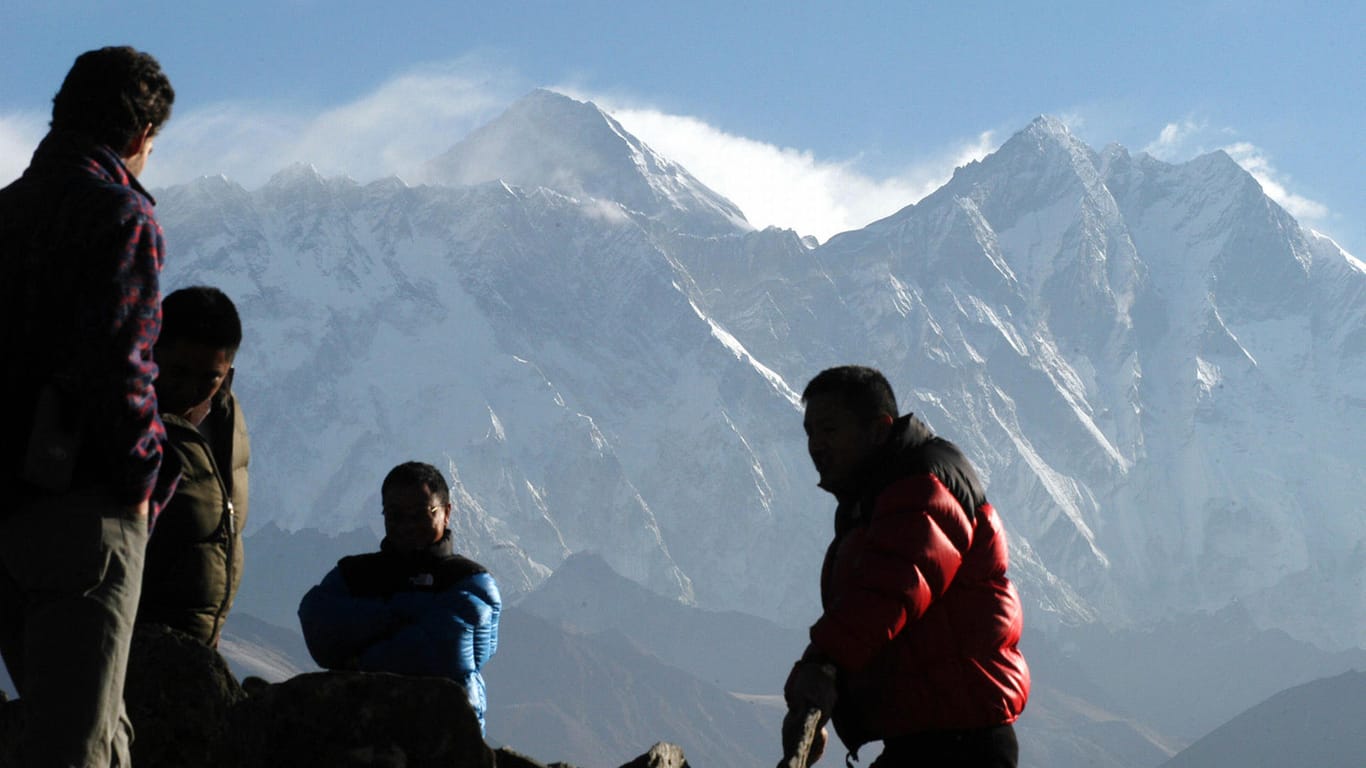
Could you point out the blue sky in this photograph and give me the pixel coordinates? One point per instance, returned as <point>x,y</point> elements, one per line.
<point>815,116</point>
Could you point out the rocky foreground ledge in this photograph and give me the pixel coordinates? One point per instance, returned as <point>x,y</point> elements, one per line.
<point>188,710</point>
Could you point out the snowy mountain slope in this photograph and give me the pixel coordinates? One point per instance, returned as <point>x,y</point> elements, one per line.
<point>372,358</point>
<point>455,325</point>
<point>1156,370</point>
<point>1123,346</point>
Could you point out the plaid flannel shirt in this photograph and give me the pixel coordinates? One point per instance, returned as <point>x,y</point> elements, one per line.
<point>80,259</point>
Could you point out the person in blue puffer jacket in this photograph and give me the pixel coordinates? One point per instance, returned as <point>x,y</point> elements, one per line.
<point>414,607</point>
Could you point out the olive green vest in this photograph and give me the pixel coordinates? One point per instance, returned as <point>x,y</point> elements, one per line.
<point>194,558</point>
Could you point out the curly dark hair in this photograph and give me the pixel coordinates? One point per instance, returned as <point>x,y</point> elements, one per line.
<point>863,390</point>
<point>112,94</point>
<point>419,474</point>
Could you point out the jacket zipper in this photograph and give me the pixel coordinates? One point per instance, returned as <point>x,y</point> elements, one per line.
<point>230,520</point>
<point>230,548</point>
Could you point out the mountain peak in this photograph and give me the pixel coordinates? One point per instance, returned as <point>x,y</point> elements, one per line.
<point>1045,136</point>
<point>547,139</point>
<point>296,174</point>
<point>553,104</point>
<point>1048,125</point>
<point>1038,164</point>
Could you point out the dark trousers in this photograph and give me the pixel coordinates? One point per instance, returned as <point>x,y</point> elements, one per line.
<point>70,576</point>
<point>981,748</point>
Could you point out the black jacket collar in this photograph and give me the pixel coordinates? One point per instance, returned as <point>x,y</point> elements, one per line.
<point>435,552</point>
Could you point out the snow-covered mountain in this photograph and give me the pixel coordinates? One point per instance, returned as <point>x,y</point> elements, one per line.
<point>548,140</point>
<point>1159,373</point>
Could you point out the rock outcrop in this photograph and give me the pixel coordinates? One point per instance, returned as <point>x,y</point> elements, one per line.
<point>180,695</point>
<point>358,719</point>
<point>188,710</point>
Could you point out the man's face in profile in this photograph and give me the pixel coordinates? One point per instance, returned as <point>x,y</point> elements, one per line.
<point>839,440</point>
<point>414,517</point>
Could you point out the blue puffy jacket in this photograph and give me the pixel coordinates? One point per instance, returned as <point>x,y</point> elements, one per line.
<point>429,612</point>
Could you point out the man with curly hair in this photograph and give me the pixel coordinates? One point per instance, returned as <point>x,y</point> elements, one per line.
<point>81,445</point>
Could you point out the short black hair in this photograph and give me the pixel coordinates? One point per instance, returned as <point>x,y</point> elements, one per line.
<point>863,390</point>
<point>112,94</point>
<point>420,474</point>
<point>203,315</point>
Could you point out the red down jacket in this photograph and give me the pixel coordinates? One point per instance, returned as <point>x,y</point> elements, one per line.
<point>919,616</point>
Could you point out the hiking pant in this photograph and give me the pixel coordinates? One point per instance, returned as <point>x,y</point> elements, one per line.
<point>70,577</point>
<point>980,748</point>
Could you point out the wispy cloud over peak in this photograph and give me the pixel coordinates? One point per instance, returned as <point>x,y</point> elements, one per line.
<point>415,116</point>
<point>1183,139</point>
<point>390,131</point>
<point>783,186</point>
<point>1258,163</point>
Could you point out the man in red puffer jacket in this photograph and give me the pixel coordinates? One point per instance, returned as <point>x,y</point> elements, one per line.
<point>917,645</point>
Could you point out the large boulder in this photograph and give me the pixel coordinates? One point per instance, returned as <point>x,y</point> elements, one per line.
<point>661,755</point>
<point>179,693</point>
<point>342,719</point>
<point>188,710</point>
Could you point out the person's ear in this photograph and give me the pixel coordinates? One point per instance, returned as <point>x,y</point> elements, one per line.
<point>136,143</point>
<point>882,428</point>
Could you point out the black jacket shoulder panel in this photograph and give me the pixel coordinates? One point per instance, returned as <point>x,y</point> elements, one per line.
<point>918,451</point>
<point>378,574</point>
<point>456,569</point>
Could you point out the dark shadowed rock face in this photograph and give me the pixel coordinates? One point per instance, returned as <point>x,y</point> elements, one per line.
<point>178,693</point>
<point>188,710</point>
<point>661,755</point>
<point>359,719</point>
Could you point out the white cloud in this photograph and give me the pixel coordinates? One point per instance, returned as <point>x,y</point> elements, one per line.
<point>786,187</point>
<point>1256,162</point>
<point>418,115</point>
<point>1173,143</point>
<point>20,133</point>
<point>1182,140</point>
<point>388,132</point>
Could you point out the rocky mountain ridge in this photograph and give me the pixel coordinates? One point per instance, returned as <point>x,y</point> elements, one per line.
<point>1157,371</point>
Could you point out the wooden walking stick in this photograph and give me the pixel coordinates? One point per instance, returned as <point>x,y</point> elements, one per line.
<point>811,725</point>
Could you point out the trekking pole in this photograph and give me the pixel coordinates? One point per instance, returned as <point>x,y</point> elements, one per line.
<point>810,725</point>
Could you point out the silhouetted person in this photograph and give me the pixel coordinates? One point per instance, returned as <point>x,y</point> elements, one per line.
<point>80,261</point>
<point>413,608</point>
<point>194,560</point>
<point>917,644</point>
